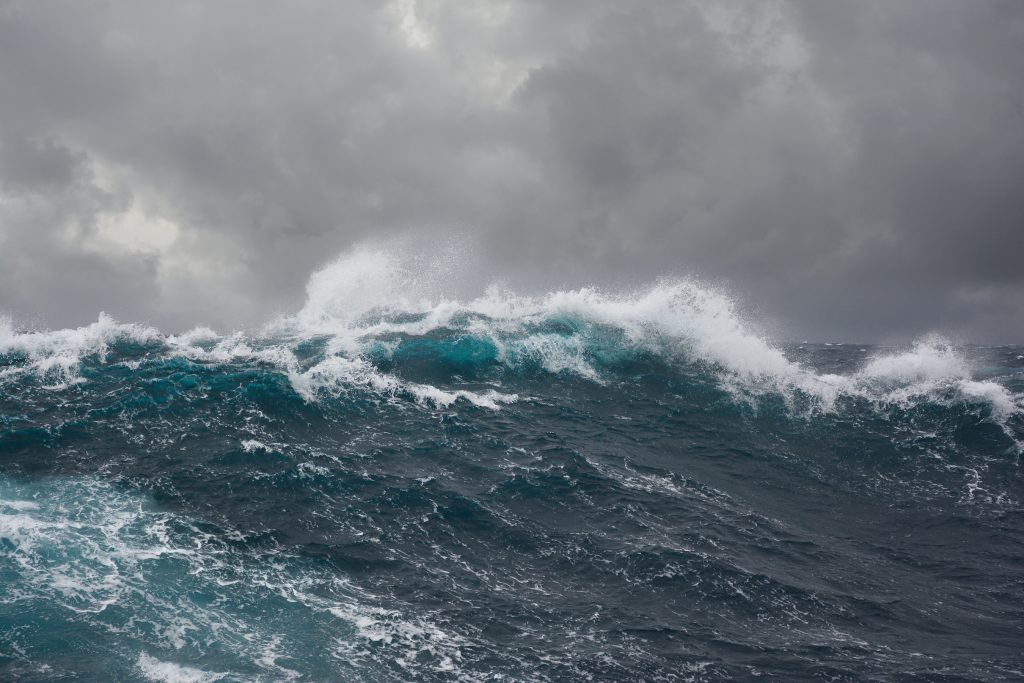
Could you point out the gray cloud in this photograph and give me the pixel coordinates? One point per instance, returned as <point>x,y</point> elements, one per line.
<point>851,170</point>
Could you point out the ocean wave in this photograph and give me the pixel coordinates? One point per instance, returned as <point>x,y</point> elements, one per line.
<point>55,355</point>
<point>376,304</point>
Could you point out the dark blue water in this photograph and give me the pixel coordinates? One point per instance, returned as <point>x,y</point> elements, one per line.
<point>574,489</point>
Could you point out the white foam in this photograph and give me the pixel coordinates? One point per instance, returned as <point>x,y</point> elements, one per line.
<point>929,360</point>
<point>337,375</point>
<point>81,544</point>
<point>193,336</point>
<point>1004,403</point>
<point>557,354</point>
<point>169,672</point>
<point>236,348</point>
<point>372,292</point>
<point>56,355</point>
<point>252,445</point>
<point>362,281</point>
<point>408,639</point>
<point>932,370</point>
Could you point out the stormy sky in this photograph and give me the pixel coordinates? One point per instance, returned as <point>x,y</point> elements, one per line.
<point>850,170</point>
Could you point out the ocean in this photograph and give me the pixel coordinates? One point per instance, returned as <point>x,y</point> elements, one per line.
<point>393,484</point>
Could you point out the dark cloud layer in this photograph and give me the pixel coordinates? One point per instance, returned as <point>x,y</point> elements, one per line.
<point>850,170</point>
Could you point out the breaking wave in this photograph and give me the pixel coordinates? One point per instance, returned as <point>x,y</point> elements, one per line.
<point>374,305</point>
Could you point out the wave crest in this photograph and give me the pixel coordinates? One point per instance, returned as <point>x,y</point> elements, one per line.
<point>374,302</point>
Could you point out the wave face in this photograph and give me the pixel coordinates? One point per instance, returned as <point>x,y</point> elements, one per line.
<point>398,484</point>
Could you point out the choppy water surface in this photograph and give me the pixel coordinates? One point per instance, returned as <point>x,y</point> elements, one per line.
<point>566,487</point>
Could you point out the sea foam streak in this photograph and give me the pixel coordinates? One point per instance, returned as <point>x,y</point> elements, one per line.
<point>376,297</point>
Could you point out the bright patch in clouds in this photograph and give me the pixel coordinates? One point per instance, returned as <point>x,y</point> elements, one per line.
<point>136,230</point>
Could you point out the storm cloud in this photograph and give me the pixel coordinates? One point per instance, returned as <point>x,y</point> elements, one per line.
<point>850,170</point>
